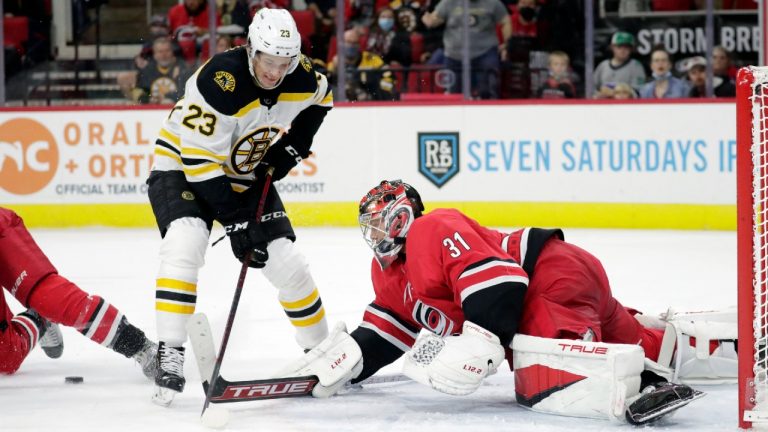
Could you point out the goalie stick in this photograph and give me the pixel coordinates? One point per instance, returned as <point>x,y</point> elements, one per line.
<point>201,340</point>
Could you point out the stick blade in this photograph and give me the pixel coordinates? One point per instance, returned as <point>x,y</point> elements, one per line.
<point>201,339</point>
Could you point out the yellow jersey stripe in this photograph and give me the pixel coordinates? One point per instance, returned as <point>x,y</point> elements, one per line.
<point>170,137</point>
<point>187,151</point>
<point>251,106</point>
<point>294,97</point>
<point>174,308</point>
<point>302,303</point>
<point>328,99</point>
<point>202,169</point>
<point>176,284</point>
<point>160,151</point>
<point>306,322</point>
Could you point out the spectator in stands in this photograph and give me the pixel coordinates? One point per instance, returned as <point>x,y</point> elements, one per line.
<point>158,28</point>
<point>325,16</point>
<point>192,13</point>
<point>559,83</point>
<point>664,84</point>
<point>621,67</point>
<point>364,79</point>
<point>696,68</point>
<point>162,80</point>
<point>523,19</point>
<point>721,63</point>
<point>362,13</point>
<point>484,45</point>
<point>408,14</point>
<point>387,40</point>
<point>622,91</point>
<point>223,43</point>
<point>236,12</point>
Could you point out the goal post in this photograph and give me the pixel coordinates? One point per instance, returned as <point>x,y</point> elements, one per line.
<point>752,233</point>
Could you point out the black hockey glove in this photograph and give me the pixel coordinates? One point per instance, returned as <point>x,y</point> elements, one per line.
<point>282,157</point>
<point>246,235</point>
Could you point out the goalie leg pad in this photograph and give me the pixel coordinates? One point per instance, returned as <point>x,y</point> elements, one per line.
<point>576,378</point>
<point>700,347</point>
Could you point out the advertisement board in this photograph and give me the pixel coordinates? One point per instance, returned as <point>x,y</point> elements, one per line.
<point>666,165</point>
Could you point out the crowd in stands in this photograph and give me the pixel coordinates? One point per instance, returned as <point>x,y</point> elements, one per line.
<point>395,48</point>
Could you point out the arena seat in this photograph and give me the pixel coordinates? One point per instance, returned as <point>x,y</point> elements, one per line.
<point>188,51</point>
<point>417,47</point>
<point>16,32</point>
<point>305,22</point>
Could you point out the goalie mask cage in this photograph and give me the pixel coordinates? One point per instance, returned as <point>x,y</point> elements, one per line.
<point>752,232</point>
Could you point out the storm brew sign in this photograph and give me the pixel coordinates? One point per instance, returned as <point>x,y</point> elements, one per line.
<point>685,36</point>
<point>438,156</point>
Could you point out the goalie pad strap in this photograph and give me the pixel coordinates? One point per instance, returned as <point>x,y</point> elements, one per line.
<point>575,378</point>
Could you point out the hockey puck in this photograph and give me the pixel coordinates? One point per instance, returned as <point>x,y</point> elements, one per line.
<point>73,380</point>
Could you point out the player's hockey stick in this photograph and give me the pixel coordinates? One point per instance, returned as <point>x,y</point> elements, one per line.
<point>223,391</point>
<point>236,299</point>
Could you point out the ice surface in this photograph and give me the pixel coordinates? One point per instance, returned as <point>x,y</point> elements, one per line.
<point>649,270</point>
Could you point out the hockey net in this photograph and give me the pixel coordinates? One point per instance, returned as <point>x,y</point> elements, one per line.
<point>752,227</point>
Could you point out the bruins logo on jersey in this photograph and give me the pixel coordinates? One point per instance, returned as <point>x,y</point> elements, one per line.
<point>305,63</point>
<point>225,80</point>
<point>247,153</point>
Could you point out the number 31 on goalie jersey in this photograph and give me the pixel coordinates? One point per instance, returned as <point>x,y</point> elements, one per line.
<point>451,244</point>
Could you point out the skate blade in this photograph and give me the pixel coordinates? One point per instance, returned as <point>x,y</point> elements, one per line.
<point>163,396</point>
<point>640,419</point>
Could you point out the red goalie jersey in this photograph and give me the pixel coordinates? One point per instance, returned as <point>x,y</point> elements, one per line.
<point>529,281</point>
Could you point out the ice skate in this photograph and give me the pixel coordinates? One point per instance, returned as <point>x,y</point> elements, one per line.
<point>658,400</point>
<point>146,357</point>
<point>169,379</point>
<point>51,339</point>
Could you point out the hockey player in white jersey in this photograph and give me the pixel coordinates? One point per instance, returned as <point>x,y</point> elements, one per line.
<point>245,111</point>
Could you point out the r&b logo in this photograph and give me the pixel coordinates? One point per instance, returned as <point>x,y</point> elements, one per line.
<point>438,156</point>
<point>28,156</point>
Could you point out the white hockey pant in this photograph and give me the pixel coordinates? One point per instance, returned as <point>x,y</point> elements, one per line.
<point>182,254</point>
<point>288,271</point>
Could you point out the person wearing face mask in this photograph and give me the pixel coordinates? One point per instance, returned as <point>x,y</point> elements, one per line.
<point>388,41</point>
<point>664,84</point>
<point>162,79</point>
<point>524,22</point>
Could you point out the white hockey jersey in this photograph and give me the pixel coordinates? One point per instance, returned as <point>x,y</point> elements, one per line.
<point>225,123</point>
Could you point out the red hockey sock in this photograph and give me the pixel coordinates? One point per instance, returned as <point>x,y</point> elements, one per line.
<point>18,335</point>
<point>651,342</point>
<point>61,301</point>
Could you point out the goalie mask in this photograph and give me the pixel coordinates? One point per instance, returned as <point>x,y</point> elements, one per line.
<point>386,214</point>
<point>274,47</point>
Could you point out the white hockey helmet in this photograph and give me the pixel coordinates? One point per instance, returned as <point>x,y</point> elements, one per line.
<point>274,32</point>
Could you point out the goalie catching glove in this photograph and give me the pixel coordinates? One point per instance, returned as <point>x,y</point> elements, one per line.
<point>335,361</point>
<point>455,365</point>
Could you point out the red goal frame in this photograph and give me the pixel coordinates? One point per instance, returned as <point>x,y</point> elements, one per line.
<point>752,228</point>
